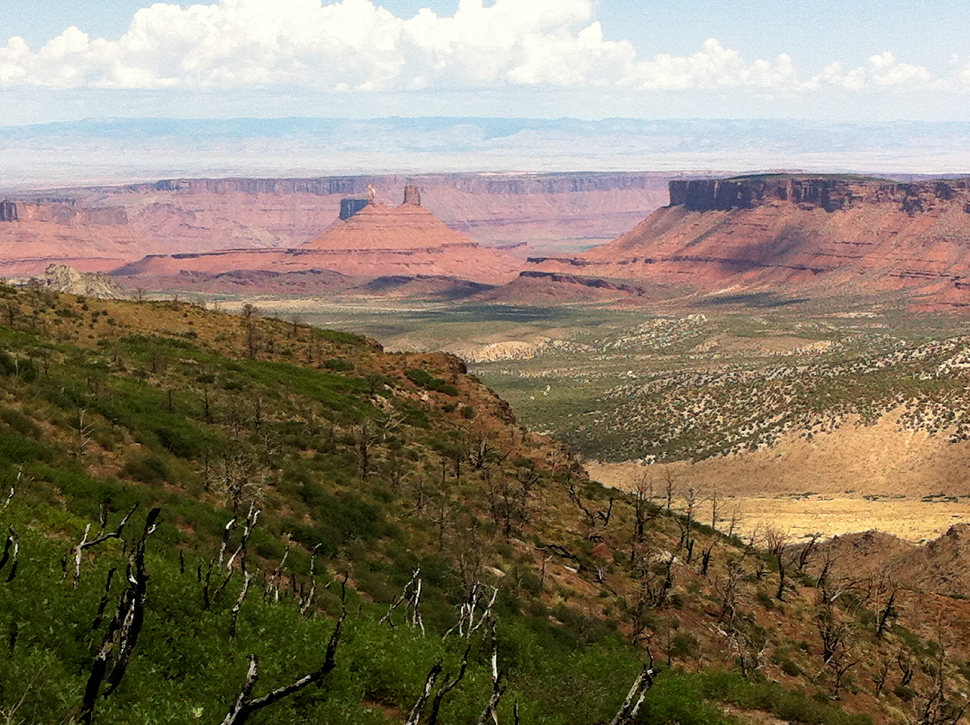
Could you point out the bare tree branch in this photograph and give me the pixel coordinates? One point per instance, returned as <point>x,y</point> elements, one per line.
<point>498,689</point>
<point>627,714</point>
<point>245,705</point>
<point>11,552</point>
<point>121,636</point>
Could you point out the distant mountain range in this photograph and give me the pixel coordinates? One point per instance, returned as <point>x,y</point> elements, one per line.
<point>114,150</point>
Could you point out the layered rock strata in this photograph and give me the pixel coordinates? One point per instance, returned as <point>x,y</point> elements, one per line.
<point>376,241</point>
<point>813,235</point>
<point>102,227</point>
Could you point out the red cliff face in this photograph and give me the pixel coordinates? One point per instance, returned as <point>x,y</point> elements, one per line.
<point>178,216</point>
<point>8,211</point>
<point>820,235</point>
<point>375,241</point>
<point>828,193</point>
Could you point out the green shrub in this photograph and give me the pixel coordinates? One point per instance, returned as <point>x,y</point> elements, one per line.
<point>338,364</point>
<point>20,422</point>
<point>424,379</point>
<point>148,469</point>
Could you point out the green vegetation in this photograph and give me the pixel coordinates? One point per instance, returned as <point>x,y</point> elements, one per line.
<point>296,496</point>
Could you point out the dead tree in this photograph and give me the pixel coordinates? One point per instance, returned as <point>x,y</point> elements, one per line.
<point>642,493</point>
<point>823,577</point>
<point>78,551</point>
<point>833,628</point>
<point>498,687</point>
<point>807,552</point>
<point>734,521</point>
<point>935,706</point>
<point>11,553</point>
<point>121,636</point>
<point>882,674</point>
<point>706,554</point>
<point>13,490</point>
<point>906,668</point>
<point>234,613</point>
<point>775,542</point>
<point>410,596</point>
<point>414,718</point>
<point>105,599</point>
<point>882,593</point>
<point>209,590</point>
<point>627,714</point>
<point>658,586</point>
<point>364,441</point>
<point>687,524</point>
<point>728,590</point>
<point>594,519</point>
<point>85,435</point>
<point>275,579</point>
<point>715,508</point>
<point>474,611</point>
<point>670,489</point>
<point>840,665</point>
<point>749,654</point>
<point>307,601</point>
<point>245,704</point>
<point>250,315</point>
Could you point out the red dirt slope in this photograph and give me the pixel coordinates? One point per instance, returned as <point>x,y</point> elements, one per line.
<point>817,235</point>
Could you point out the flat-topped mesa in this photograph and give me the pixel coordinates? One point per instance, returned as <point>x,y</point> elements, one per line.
<point>8,211</point>
<point>828,193</point>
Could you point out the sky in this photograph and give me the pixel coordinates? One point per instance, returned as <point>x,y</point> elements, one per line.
<point>847,60</point>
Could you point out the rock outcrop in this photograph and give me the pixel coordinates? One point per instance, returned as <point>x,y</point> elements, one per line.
<point>349,207</point>
<point>376,241</point>
<point>62,278</point>
<point>103,227</point>
<point>412,195</point>
<point>819,236</point>
<point>828,193</point>
<point>8,211</point>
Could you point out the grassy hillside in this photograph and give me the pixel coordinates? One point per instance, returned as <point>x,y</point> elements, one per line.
<point>183,489</point>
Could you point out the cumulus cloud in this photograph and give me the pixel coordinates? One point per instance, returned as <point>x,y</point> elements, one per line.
<point>715,66</point>
<point>879,71</point>
<point>358,45</point>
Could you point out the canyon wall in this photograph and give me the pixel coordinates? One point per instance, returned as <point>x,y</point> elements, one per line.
<point>553,212</point>
<point>828,193</point>
<point>797,235</point>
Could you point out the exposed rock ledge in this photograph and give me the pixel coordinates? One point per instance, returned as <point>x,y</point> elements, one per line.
<point>61,278</point>
<point>828,193</point>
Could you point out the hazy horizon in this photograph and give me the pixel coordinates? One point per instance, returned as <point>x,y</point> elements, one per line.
<point>142,149</point>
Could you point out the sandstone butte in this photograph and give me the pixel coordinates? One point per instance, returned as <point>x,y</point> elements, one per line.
<point>101,228</point>
<point>812,235</point>
<point>374,241</point>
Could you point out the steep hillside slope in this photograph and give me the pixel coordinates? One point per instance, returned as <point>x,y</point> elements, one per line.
<point>242,473</point>
<point>817,235</point>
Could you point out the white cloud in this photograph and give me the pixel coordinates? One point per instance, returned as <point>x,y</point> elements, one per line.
<point>713,67</point>
<point>357,45</point>
<point>881,70</point>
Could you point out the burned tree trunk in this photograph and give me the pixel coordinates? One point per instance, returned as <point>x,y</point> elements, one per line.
<point>245,704</point>
<point>627,714</point>
<point>11,553</point>
<point>121,637</point>
<point>78,551</point>
<point>498,687</point>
